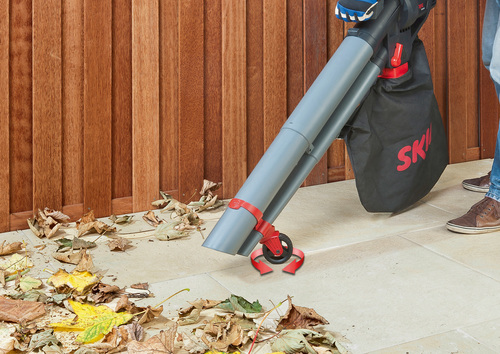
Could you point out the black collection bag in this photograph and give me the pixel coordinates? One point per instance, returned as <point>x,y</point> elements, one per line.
<point>396,139</point>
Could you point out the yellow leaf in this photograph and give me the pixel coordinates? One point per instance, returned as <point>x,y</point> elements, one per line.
<point>16,263</point>
<point>79,282</point>
<point>93,321</point>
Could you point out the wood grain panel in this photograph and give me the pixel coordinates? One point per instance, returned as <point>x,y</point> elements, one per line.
<point>145,103</point>
<point>97,107</point>
<point>489,107</point>
<point>213,91</point>
<point>4,117</point>
<point>255,82</point>
<point>275,70</point>
<point>191,107</point>
<point>295,54</point>
<point>472,73</point>
<point>440,66</point>
<point>335,36</point>
<point>47,119</point>
<point>315,59</point>
<point>122,99</point>
<point>72,102</point>
<point>21,128</point>
<point>169,95</point>
<point>457,103</point>
<point>234,149</point>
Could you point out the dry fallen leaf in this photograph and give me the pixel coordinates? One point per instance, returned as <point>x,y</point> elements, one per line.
<point>86,264</point>
<point>10,248</point>
<point>102,293</point>
<point>88,223</point>
<point>20,310</point>
<point>160,343</point>
<point>151,218</point>
<point>150,313</point>
<point>142,286</point>
<point>47,222</point>
<point>119,244</point>
<point>78,283</point>
<point>93,321</point>
<point>300,317</point>
<point>209,187</point>
<point>68,257</point>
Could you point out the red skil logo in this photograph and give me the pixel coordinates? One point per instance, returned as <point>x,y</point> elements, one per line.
<point>417,149</point>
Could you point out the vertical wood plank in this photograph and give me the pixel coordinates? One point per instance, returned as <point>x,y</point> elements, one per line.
<point>457,103</point>
<point>295,54</point>
<point>255,82</point>
<point>471,72</point>
<point>47,119</point>
<point>122,99</point>
<point>234,149</point>
<point>315,59</point>
<point>275,70</point>
<point>489,106</point>
<point>213,91</point>
<point>440,66</point>
<point>145,103</point>
<point>191,106</point>
<point>4,117</point>
<point>335,36</point>
<point>97,107</point>
<point>20,137</point>
<point>169,95</point>
<point>72,102</point>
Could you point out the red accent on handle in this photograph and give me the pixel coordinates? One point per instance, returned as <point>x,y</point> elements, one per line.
<point>396,59</point>
<point>238,203</point>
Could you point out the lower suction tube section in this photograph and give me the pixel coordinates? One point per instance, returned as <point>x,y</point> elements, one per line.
<point>329,133</point>
<point>295,138</point>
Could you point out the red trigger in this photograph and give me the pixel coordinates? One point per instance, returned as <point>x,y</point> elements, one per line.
<point>396,59</point>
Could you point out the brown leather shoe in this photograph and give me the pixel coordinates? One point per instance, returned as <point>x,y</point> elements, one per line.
<point>484,216</point>
<point>480,184</point>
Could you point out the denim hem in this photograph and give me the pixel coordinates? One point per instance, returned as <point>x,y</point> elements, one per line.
<point>494,195</point>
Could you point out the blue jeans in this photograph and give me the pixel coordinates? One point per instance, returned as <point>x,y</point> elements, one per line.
<point>491,60</point>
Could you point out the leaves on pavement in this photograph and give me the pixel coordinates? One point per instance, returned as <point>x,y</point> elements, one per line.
<point>160,343</point>
<point>238,304</point>
<point>75,244</point>
<point>47,222</point>
<point>16,263</point>
<point>119,244</point>
<point>93,321</point>
<point>88,223</point>
<point>27,283</point>
<point>76,283</point>
<point>20,310</point>
<point>9,248</point>
<point>300,317</point>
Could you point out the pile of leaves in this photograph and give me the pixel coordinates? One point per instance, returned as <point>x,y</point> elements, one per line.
<point>183,217</point>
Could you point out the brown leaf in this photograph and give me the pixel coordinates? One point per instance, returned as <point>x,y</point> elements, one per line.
<point>10,248</point>
<point>125,304</point>
<point>56,215</point>
<point>102,293</point>
<point>19,310</point>
<point>87,223</point>
<point>209,187</point>
<point>300,317</point>
<point>200,304</point>
<point>68,257</point>
<point>119,244</point>
<point>225,331</point>
<point>32,223</point>
<point>86,264</point>
<point>160,343</point>
<point>142,286</point>
<point>151,218</point>
<point>150,314</point>
<point>2,277</point>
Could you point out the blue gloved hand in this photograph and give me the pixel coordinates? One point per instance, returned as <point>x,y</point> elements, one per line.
<point>355,10</point>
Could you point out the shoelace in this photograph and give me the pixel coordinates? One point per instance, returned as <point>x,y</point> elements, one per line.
<point>484,207</point>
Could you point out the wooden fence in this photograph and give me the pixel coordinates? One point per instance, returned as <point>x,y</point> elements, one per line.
<point>104,103</point>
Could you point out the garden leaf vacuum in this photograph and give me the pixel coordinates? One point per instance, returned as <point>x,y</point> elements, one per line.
<point>376,93</point>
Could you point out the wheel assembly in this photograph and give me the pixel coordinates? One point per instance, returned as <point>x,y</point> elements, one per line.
<point>281,254</point>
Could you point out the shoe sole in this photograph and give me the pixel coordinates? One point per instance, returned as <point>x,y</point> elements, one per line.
<point>474,188</point>
<point>471,230</point>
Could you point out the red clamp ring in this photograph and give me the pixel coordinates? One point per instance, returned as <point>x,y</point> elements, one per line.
<point>238,203</point>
